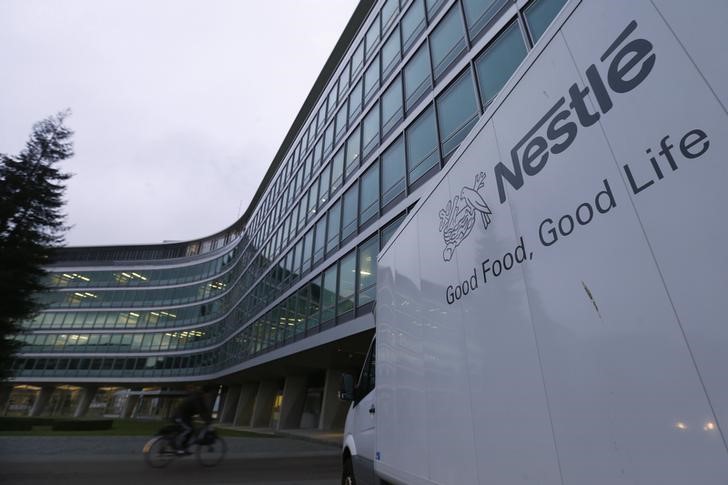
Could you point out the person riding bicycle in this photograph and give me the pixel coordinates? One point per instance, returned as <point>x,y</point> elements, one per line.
<point>197,403</point>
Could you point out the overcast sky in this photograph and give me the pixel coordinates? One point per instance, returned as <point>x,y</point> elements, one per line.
<point>178,106</point>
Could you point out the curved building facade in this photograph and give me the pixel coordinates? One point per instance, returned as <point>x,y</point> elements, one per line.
<point>275,306</point>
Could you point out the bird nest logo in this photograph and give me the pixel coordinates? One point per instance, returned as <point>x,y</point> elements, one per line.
<point>458,217</point>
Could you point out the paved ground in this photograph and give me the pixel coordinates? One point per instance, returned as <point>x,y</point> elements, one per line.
<point>118,460</point>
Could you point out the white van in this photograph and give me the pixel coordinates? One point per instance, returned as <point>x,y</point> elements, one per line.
<point>555,309</point>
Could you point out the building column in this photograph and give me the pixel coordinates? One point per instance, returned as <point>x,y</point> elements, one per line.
<point>130,406</point>
<point>165,407</point>
<point>294,398</point>
<point>333,409</point>
<point>84,401</point>
<point>41,400</point>
<point>4,398</point>
<point>229,404</point>
<point>263,406</point>
<point>246,401</point>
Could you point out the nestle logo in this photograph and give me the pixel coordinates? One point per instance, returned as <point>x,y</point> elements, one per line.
<point>458,217</point>
<point>631,62</point>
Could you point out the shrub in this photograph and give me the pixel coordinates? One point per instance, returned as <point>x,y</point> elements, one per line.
<point>82,424</point>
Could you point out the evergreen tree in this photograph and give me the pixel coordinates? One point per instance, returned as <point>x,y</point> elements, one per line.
<point>31,224</point>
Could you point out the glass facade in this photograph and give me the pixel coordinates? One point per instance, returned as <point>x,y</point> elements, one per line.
<point>414,79</point>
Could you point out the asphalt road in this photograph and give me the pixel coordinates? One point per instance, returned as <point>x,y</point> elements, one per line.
<point>118,460</point>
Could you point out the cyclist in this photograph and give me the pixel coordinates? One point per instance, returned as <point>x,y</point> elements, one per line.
<point>197,403</point>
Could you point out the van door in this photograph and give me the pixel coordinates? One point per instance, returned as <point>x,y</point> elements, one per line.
<point>364,419</point>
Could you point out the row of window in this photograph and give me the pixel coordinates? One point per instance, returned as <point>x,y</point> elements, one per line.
<point>198,364</point>
<point>120,342</point>
<point>446,44</point>
<point>347,285</point>
<point>410,158</point>
<point>142,277</point>
<point>332,297</point>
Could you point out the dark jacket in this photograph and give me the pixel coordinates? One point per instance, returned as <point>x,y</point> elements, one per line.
<point>194,404</point>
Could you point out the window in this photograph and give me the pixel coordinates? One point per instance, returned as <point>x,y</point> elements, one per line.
<point>389,230</point>
<point>355,100</point>
<point>341,122</point>
<point>307,252</point>
<point>297,258</point>
<point>344,80</point>
<point>413,24</point>
<point>337,171</point>
<point>347,284</point>
<point>302,210</point>
<point>447,42</point>
<point>357,60</point>
<point>392,106</point>
<point>320,241</point>
<point>328,294</point>
<point>367,285</point>
<point>371,80</point>
<point>457,112</point>
<point>393,172</point>
<point>390,54</point>
<point>318,151</point>
<point>370,131</point>
<point>369,195</point>
<point>328,139</point>
<point>353,146</point>
<point>417,79</point>
<point>540,14</point>
<point>331,102</point>
<point>318,122</point>
<point>313,304</point>
<point>478,13</point>
<point>372,38</point>
<point>434,6</point>
<point>389,9</point>
<point>422,145</point>
<point>324,181</point>
<point>497,63</point>
<point>312,199</point>
<point>349,212</point>
<point>334,221</point>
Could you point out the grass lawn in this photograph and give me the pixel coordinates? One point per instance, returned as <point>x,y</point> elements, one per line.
<point>123,427</point>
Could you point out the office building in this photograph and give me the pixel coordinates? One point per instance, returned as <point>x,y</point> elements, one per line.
<point>277,305</point>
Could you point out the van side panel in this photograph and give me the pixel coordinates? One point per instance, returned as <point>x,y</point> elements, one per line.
<point>554,309</point>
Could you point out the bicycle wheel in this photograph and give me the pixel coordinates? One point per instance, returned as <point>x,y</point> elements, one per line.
<point>212,454</point>
<point>158,452</point>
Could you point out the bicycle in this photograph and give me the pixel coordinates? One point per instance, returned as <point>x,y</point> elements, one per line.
<point>160,450</point>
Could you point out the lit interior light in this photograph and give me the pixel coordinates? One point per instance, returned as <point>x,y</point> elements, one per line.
<point>126,274</point>
<point>709,426</point>
<point>681,425</point>
<point>365,273</point>
<point>80,294</point>
<point>134,314</point>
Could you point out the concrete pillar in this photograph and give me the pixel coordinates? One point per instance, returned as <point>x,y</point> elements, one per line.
<point>246,401</point>
<point>333,410</point>
<point>84,401</point>
<point>263,406</point>
<point>130,406</point>
<point>294,398</point>
<point>41,400</point>
<point>165,407</point>
<point>4,398</point>
<point>229,404</point>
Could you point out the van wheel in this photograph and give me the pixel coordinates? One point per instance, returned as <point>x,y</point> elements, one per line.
<point>347,477</point>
